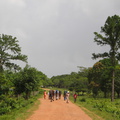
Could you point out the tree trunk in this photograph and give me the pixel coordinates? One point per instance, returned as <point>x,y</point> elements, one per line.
<point>113,81</point>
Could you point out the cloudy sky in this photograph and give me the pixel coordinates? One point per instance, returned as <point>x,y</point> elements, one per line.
<point>56,35</point>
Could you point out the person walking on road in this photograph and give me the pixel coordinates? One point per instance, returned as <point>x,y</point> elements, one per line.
<point>51,95</point>
<point>64,95</point>
<point>60,93</point>
<point>45,94</point>
<point>75,97</point>
<point>57,94</point>
<point>67,97</point>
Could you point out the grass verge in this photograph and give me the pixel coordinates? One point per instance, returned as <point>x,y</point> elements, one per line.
<point>96,114</point>
<point>24,112</point>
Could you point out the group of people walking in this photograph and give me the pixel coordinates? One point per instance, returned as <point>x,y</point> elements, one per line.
<point>56,94</point>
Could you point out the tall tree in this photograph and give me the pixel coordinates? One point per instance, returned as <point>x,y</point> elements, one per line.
<point>111,37</point>
<point>10,51</point>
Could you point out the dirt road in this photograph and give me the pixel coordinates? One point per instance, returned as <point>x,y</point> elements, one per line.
<point>58,110</point>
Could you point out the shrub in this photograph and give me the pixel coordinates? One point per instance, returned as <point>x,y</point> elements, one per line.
<point>82,100</point>
<point>108,107</point>
<point>4,108</point>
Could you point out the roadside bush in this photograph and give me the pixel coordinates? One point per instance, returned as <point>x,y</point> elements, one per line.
<point>7,103</point>
<point>108,107</point>
<point>104,106</point>
<point>82,100</point>
<point>4,108</point>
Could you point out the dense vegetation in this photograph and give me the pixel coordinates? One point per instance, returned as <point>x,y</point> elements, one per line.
<point>19,86</point>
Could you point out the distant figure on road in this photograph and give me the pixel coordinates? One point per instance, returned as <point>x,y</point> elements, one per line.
<point>51,95</point>
<point>67,97</point>
<point>75,97</point>
<point>64,95</point>
<point>60,93</point>
<point>57,94</point>
<point>45,94</point>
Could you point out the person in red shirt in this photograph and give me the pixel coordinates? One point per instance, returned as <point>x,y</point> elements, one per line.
<point>75,97</point>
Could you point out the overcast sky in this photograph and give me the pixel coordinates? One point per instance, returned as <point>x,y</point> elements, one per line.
<point>56,35</point>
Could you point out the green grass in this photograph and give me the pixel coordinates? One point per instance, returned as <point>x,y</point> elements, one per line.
<point>27,111</point>
<point>24,112</point>
<point>98,107</point>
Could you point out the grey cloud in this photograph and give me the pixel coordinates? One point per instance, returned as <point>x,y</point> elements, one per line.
<point>57,35</point>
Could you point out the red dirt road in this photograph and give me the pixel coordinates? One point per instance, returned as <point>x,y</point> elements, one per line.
<point>58,110</point>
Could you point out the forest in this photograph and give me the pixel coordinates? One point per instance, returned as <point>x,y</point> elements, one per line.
<point>102,80</point>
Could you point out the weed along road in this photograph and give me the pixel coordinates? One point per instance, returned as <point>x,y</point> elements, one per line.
<point>58,110</point>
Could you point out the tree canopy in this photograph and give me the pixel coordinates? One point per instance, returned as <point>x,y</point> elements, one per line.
<point>10,51</point>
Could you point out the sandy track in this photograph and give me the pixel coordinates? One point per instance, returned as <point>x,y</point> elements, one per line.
<point>58,110</point>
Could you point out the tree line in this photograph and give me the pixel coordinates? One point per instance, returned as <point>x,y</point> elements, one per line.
<point>93,80</point>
